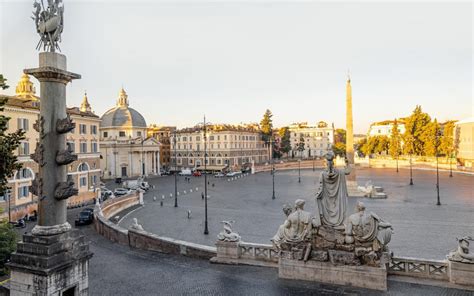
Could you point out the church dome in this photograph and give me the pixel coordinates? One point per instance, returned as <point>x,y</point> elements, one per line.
<point>122,115</point>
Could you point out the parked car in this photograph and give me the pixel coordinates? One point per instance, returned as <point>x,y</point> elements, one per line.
<point>135,184</point>
<point>85,217</point>
<point>19,224</point>
<point>185,172</point>
<point>219,175</point>
<point>165,173</point>
<point>233,174</point>
<point>197,174</point>
<point>121,191</point>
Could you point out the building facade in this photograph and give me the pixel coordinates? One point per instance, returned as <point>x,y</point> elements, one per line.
<point>126,150</point>
<point>23,110</point>
<point>464,137</point>
<point>163,135</point>
<point>317,140</point>
<point>228,148</point>
<point>384,128</point>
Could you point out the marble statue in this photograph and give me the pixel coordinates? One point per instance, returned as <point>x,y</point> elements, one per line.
<point>49,23</point>
<point>227,234</point>
<point>282,232</point>
<point>135,225</point>
<point>462,252</point>
<point>368,229</point>
<point>331,199</point>
<point>297,227</point>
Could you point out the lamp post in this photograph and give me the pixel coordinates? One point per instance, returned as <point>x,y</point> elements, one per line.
<point>450,165</point>
<point>411,171</point>
<point>438,203</point>
<point>299,170</point>
<point>175,172</point>
<point>396,159</point>
<point>206,229</point>
<point>273,169</point>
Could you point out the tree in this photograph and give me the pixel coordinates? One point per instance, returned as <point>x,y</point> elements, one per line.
<point>415,126</point>
<point>339,149</point>
<point>266,126</point>
<point>340,136</point>
<point>429,138</point>
<point>285,143</point>
<point>395,141</point>
<point>300,145</point>
<point>383,144</point>
<point>359,146</point>
<point>447,144</point>
<point>9,142</point>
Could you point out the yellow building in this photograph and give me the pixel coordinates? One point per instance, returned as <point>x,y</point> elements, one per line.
<point>23,110</point>
<point>163,135</point>
<point>464,137</point>
<point>126,149</point>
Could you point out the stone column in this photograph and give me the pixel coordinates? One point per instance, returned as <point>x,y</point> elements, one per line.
<point>54,258</point>
<point>349,131</point>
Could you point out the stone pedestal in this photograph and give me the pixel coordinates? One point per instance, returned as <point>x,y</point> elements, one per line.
<point>461,273</point>
<point>50,265</point>
<point>325,272</point>
<point>227,250</point>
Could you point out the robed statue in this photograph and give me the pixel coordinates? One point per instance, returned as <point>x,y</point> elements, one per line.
<point>331,199</point>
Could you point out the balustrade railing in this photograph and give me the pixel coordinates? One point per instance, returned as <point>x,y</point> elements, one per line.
<point>432,269</point>
<point>257,252</point>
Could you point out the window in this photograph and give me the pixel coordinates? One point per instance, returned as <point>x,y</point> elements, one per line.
<point>82,129</point>
<point>71,146</point>
<point>23,192</point>
<point>94,180</point>
<point>23,124</point>
<point>83,167</point>
<point>139,134</point>
<point>24,174</point>
<point>121,133</point>
<point>24,149</point>
<point>106,134</point>
<point>83,181</point>
<point>83,148</point>
<point>211,138</point>
<point>198,138</point>
<point>93,147</point>
<point>184,139</point>
<point>94,129</point>
<point>225,137</point>
<point>190,146</point>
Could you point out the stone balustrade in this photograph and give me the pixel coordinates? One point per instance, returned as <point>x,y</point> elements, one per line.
<point>419,268</point>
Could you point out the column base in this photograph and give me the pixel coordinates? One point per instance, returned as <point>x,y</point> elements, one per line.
<point>51,230</point>
<point>50,265</point>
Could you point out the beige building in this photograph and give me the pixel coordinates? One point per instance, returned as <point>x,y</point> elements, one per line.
<point>163,135</point>
<point>384,128</point>
<point>318,139</point>
<point>464,136</point>
<point>126,150</point>
<point>23,109</point>
<point>228,147</point>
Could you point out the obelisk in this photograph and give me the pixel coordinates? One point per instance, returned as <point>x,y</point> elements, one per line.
<point>349,131</point>
<point>53,258</point>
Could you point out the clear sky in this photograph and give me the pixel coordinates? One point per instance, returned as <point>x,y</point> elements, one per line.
<point>232,60</point>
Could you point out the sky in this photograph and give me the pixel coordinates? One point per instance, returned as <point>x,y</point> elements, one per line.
<point>232,60</point>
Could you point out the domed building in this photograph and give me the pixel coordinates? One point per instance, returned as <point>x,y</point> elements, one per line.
<point>125,149</point>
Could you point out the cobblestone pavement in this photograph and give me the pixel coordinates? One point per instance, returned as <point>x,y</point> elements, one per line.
<point>118,270</point>
<point>422,229</point>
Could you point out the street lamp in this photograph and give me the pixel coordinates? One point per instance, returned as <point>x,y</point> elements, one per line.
<point>204,124</point>
<point>450,165</point>
<point>438,203</point>
<point>175,173</point>
<point>273,169</point>
<point>411,165</point>
<point>299,170</point>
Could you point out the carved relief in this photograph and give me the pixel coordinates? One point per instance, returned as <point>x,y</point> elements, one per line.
<point>65,125</point>
<point>39,126</point>
<point>38,155</point>
<point>64,190</point>
<point>65,157</point>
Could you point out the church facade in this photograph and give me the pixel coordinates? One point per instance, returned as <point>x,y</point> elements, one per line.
<point>126,150</point>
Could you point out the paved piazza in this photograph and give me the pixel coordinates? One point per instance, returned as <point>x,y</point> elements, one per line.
<point>422,229</point>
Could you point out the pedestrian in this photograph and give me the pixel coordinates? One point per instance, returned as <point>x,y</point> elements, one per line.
<point>202,195</point>
<point>189,214</point>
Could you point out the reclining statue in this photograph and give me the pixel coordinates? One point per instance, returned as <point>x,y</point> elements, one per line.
<point>461,253</point>
<point>368,230</point>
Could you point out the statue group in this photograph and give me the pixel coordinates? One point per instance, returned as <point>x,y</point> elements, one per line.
<point>330,234</point>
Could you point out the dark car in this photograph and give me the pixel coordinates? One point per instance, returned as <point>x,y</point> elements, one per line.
<point>85,217</point>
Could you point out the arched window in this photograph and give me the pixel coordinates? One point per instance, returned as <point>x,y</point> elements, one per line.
<point>24,173</point>
<point>83,167</point>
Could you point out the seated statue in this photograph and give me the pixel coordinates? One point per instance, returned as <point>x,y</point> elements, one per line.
<point>135,225</point>
<point>228,235</point>
<point>462,254</point>
<point>368,229</point>
<point>282,230</point>
<point>297,227</point>
<point>331,199</point>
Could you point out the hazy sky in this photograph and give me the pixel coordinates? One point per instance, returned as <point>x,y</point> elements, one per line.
<point>233,60</point>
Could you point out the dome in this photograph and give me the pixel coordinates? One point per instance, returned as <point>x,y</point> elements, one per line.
<point>122,115</point>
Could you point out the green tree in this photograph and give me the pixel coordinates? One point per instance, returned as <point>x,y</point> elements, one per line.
<point>447,143</point>
<point>340,136</point>
<point>300,145</point>
<point>339,148</point>
<point>430,138</point>
<point>415,126</point>
<point>359,146</point>
<point>395,141</point>
<point>266,125</point>
<point>383,143</point>
<point>285,143</point>
<point>9,142</point>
